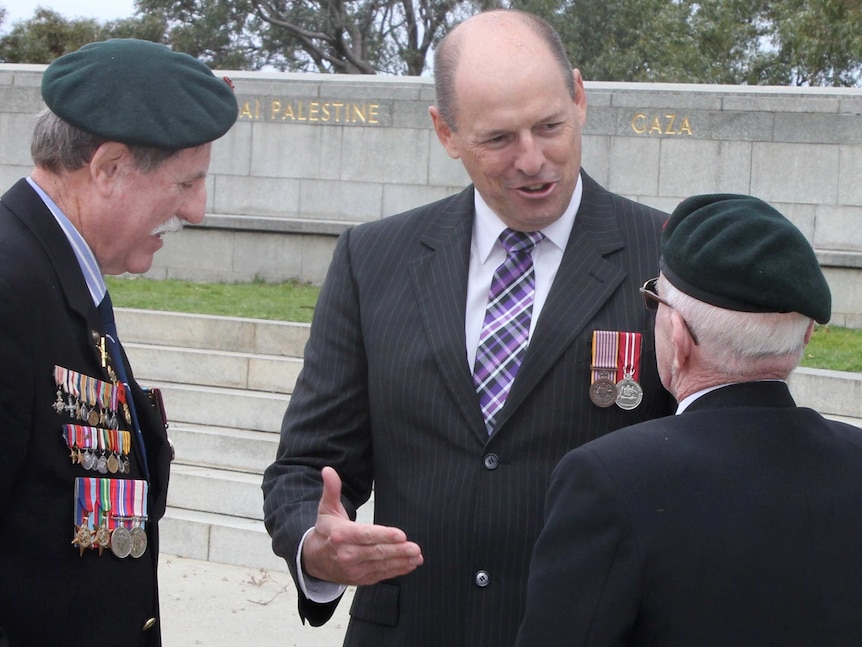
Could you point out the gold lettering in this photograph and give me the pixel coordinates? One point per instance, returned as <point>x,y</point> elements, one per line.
<point>358,113</point>
<point>276,108</point>
<point>245,111</point>
<point>671,120</point>
<point>288,113</point>
<point>668,124</point>
<point>324,108</point>
<point>299,115</point>
<point>257,108</point>
<point>313,109</point>
<point>685,127</point>
<point>338,106</point>
<point>372,113</point>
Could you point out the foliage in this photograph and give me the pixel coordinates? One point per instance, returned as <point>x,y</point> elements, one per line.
<point>777,42</point>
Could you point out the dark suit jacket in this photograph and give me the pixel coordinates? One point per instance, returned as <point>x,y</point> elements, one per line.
<point>50,594</point>
<point>386,397</point>
<point>735,523</point>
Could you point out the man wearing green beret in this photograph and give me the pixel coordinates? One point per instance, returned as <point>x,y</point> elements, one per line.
<point>736,521</point>
<point>121,155</point>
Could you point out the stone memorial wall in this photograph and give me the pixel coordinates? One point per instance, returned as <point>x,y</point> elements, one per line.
<point>312,155</point>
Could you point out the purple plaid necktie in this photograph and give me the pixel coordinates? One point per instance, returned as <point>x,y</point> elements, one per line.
<point>506,330</point>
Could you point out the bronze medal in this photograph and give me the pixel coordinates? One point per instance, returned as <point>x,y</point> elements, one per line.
<point>113,464</point>
<point>103,538</point>
<point>139,541</point>
<point>121,542</point>
<point>603,393</point>
<point>93,417</point>
<point>83,536</point>
<point>628,394</point>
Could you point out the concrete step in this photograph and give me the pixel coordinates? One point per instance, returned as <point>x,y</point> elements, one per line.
<point>238,450</point>
<point>221,407</point>
<point>226,539</point>
<point>210,332</point>
<point>236,494</point>
<point>207,367</point>
<point>836,393</point>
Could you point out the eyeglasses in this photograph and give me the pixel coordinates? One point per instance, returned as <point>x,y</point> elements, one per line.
<point>651,298</point>
<point>649,292</point>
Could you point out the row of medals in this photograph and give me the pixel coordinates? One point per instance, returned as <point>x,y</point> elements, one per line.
<point>87,459</point>
<point>121,540</point>
<point>627,394</point>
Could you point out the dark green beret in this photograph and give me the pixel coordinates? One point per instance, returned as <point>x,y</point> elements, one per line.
<point>139,93</point>
<point>738,253</point>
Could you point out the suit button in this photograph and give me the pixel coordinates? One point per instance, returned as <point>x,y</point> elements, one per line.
<point>149,624</point>
<point>491,461</point>
<point>482,579</point>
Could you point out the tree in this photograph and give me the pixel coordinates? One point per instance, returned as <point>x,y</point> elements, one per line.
<point>779,42</point>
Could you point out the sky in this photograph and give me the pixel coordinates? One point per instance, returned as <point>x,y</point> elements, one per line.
<point>101,10</point>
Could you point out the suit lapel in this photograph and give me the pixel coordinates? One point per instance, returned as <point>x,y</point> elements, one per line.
<point>22,199</point>
<point>585,281</point>
<point>439,275</point>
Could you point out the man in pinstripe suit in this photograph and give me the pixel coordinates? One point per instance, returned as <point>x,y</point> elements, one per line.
<point>386,396</point>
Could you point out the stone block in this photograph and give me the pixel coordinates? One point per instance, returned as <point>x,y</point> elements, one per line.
<point>398,198</point>
<point>818,128</point>
<point>16,133</point>
<point>231,155</point>
<point>735,126</point>
<point>839,228</point>
<point>296,151</point>
<point>803,173</point>
<point>343,201</point>
<point>392,155</point>
<point>849,175</point>
<point>264,196</point>
<point>635,165</point>
<point>729,169</point>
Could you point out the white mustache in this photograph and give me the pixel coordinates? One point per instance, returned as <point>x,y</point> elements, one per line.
<point>172,225</point>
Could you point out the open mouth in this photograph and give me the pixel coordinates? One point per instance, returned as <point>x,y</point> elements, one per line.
<point>536,189</point>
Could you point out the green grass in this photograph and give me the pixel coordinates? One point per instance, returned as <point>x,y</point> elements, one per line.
<point>834,348</point>
<point>288,301</point>
<point>839,349</point>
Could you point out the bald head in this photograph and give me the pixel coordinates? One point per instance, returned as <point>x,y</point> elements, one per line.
<point>496,44</point>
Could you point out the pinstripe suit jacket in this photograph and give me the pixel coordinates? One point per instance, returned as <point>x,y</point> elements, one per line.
<point>386,397</point>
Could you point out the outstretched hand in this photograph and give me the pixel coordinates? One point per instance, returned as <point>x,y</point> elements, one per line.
<point>346,552</point>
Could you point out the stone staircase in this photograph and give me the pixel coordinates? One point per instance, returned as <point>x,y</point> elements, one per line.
<point>226,383</point>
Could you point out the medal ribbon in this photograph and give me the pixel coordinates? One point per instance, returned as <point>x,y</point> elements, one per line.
<point>629,364</point>
<point>604,358</point>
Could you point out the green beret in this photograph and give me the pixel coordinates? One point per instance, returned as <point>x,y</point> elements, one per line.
<point>738,253</point>
<point>139,93</point>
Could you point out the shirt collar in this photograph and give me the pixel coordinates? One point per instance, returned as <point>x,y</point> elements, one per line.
<point>488,226</point>
<point>86,259</point>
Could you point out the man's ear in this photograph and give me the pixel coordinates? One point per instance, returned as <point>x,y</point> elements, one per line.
<point>444,133</point>
<point>681,340</point>
<point>108,164</point>
<point>809,332</point>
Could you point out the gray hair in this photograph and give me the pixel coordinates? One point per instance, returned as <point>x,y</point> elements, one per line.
<point>449,49</point>
<point>58,145</point>
<point>742,345</point>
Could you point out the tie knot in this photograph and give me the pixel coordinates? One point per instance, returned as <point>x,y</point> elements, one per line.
<point>520,241</point>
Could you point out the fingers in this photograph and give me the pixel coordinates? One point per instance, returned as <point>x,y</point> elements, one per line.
<point>343,551</point>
